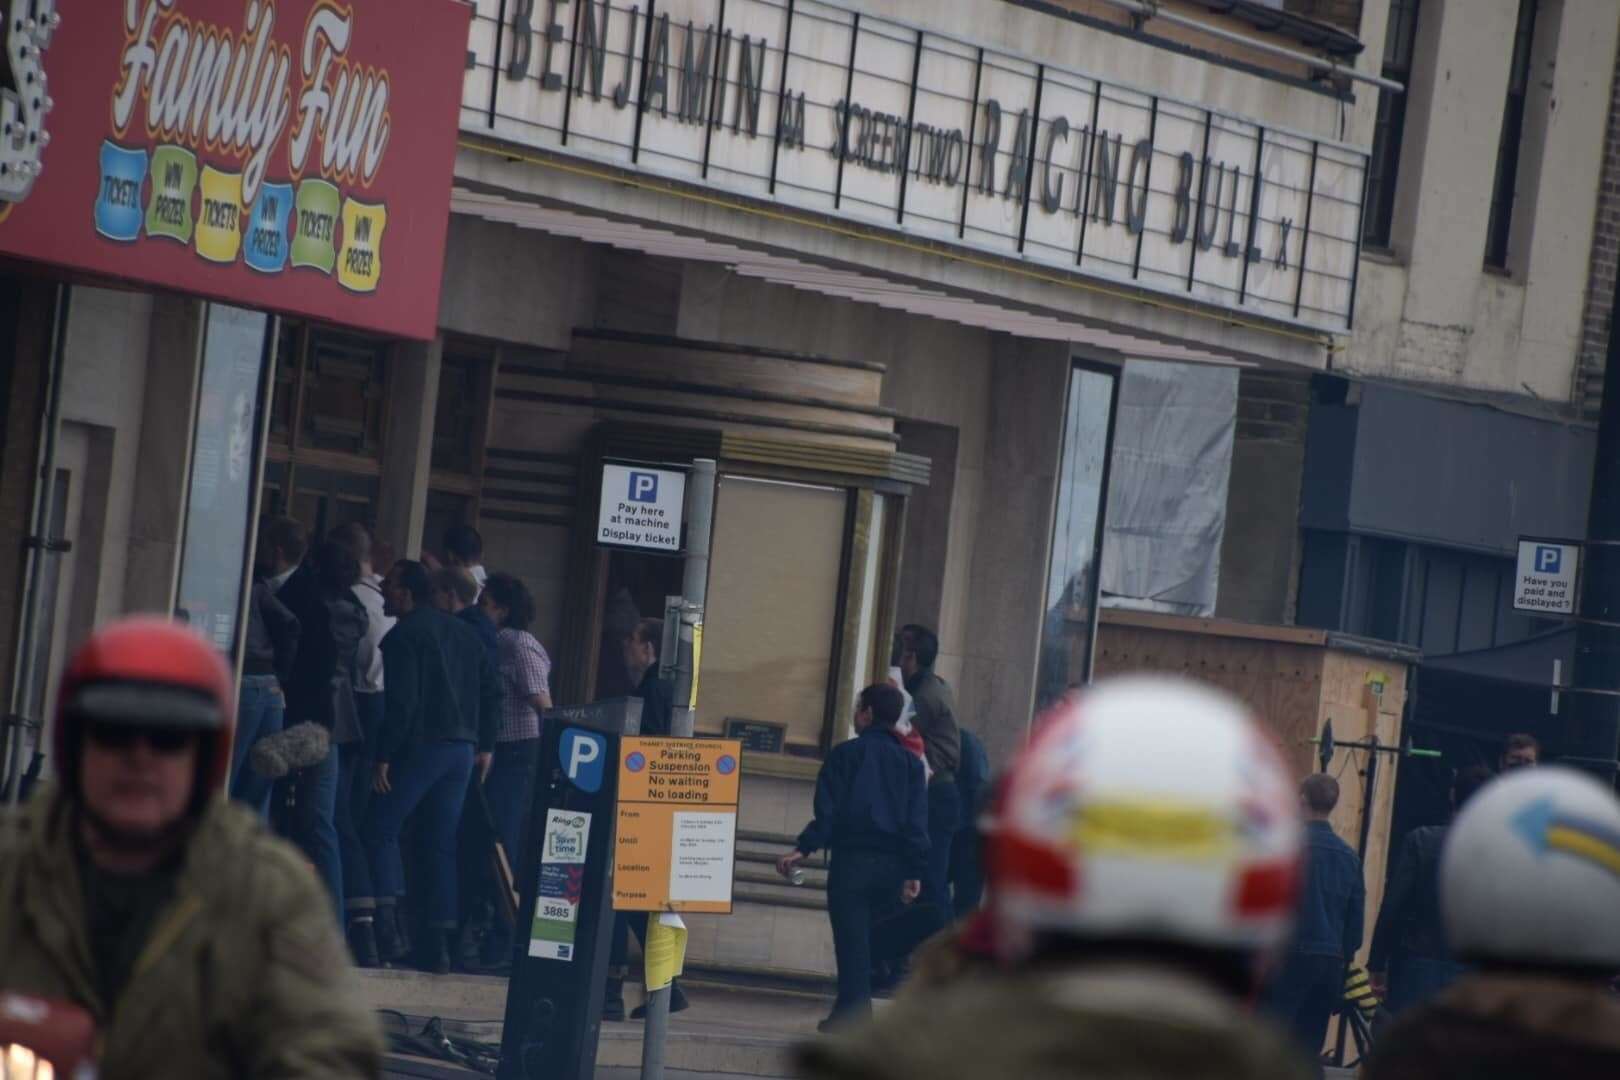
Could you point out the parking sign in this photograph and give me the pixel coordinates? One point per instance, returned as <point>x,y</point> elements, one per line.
<point>1545,580</point>
<point>641,508</point>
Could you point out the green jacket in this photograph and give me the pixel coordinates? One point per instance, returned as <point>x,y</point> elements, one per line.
<point>242,976</point>
<point>1106,1023</point>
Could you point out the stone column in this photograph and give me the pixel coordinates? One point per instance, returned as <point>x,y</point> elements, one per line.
<point>413,398</point>
<point>1028,391</point>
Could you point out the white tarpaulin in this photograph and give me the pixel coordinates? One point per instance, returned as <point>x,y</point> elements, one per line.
<point>1167,488</point>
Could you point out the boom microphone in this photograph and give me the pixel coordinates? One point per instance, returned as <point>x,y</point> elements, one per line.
<point>298,747</point>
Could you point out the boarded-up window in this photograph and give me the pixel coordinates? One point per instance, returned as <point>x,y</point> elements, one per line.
<point>773,598</point>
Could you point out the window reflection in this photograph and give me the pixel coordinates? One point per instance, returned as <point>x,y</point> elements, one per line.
<point>1071,581</point>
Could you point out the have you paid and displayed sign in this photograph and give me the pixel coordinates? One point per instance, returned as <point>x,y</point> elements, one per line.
<point>822,108</point>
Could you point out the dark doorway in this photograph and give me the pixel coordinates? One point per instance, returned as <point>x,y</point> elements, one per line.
<point>637,584</point>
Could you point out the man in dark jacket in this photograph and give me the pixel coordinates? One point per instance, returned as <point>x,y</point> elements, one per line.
<point>443,703</point>
<point>934,715</point>
<point>871,811</point>
<point>1409,961</point>
<point>456,592</point>
<point>641,647</point>
<point>320,691</point>
<point>973,784</point>
<point>1329,927</point>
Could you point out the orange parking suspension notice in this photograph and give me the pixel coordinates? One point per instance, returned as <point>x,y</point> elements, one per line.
<point>676,842</point>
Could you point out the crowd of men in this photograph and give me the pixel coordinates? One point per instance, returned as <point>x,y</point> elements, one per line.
<point>1152,867</point>
<point>380,708</point>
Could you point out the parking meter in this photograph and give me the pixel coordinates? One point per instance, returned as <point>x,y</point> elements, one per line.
<point>565,918</point>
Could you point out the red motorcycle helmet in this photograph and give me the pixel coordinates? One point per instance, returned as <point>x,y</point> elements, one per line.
<point>152,673</point>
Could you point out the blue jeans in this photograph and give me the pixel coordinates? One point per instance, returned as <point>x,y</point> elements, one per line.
<point>434,777</point>
<point>315,829</point>
<point>1302,998</point>
<point>944,811</point>
<point>260,711</point>
<point>509,789</point>
<point>354,804</point>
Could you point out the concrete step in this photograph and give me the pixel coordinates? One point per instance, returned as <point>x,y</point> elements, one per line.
<point>815,881</point>
<point>752,851</point>
<point>790,937</point>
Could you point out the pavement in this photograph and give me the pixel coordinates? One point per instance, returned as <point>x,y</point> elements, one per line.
<point>731,1032</point>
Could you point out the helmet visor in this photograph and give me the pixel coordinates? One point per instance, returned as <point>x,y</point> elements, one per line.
<point>145,705</point>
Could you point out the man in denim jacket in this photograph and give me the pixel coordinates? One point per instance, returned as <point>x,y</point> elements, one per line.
<point>1311,979</point>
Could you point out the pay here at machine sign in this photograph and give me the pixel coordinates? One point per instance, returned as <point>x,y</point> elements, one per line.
<point>641,507</point>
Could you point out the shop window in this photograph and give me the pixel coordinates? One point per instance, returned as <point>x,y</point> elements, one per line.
<point>1384,165</point>
<point>1500,224</point>
<point>769,633</point>
<point>289,374</point>
<point>326,428</point>
<point>327,498</point>
<point>344,391</point>
<point>1072,574</point>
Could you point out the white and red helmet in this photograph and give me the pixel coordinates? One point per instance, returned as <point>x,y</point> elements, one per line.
<point>1147,809</point>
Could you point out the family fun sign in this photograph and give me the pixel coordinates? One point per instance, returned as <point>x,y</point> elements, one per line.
<point>815,106</point>
<point>251,150</point>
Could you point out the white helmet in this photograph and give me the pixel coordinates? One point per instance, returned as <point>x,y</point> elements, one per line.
<point>1531,872</point>
<point>1147,809</point>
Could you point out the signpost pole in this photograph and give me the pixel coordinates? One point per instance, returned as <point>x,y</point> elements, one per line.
<point>695,590</point>
<point>1596,732</point>
<point>695,586</point>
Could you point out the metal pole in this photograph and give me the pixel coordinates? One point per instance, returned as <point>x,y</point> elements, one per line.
<point>695,586</point>
<point>1596,731</point>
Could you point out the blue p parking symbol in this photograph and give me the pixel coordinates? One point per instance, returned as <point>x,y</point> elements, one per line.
<point>582,757</point>
<point>1549,560</point>
<point>643,487</point>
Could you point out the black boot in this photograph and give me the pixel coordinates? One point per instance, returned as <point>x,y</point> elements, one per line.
<point>613,1001</point>
<point>434,952</point>
<point>363,942</point>
<point>391,944</point>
